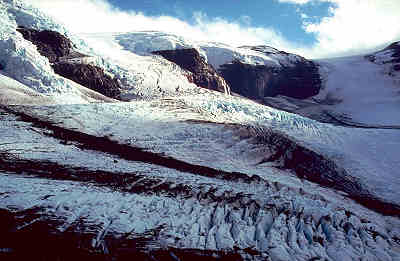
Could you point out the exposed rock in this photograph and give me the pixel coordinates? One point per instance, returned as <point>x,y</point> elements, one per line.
<point>395,47</point>
<point>76,57</point>
<point>69,63</point>
<point>50,44</point>
<point>26,240</point>
<point>297,78</point>
<point>246,79</point>
<point>390,56</point>
<point>267,50</point>
<point>89,76</point>
<point>202,73</point>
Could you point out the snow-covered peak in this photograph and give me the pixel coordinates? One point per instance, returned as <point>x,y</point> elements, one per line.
<point>222,54</point>
<point>20,60</point>
<point>146,42</point>
<point>217,54</point>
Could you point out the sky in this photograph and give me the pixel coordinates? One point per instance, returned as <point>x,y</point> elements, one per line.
<point>312,28</point>
<point>264,13</point>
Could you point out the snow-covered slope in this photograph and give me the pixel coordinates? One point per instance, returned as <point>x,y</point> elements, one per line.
<point>356,91</point>
<point>389,58</point>
<point>139,76</point>
<point>13,92</point>
<point>146,42</point>
<point>270,71</point>
<point>224,196</point>
<point>20,59</point>
<point>368,156</point>
<point>362,91</point>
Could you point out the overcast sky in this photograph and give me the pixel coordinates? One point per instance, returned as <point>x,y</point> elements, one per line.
<point>313,28</point>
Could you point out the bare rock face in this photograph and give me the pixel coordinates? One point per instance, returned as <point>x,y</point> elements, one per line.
<point>89,76</point>
<point>55,46</point>
<point>297,77</point>
<point>202,73</point>
<point>246,79</point>
<point>50,44</point>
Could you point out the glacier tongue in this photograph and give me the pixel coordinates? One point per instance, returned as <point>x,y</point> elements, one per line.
<point>104,192</point>
<point>361,91</point>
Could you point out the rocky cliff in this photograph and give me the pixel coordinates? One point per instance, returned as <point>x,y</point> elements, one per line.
<point>201,73</point>
<point>50,44</point>
<point>56,46</point>
<point>89,76</point>
<point>297,77</point>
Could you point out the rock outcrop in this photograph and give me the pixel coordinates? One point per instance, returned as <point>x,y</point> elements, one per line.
<point>297,77</point>
<point>59,50</point>
<point>389,56</point>
<point>89,76</point>
<point>50,44</point>
<point>201,73</point>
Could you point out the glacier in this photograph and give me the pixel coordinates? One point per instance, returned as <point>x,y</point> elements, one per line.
<point>181,168</point>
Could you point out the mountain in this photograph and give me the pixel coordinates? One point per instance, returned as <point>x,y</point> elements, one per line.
<point>170,169</point>
<point>253,72</point>
<point>199,71</point>
<point>388,56</point>
<point>300,79</point>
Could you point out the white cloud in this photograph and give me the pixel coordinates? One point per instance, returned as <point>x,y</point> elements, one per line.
<point>356,26</point>
<point>95,16</point>
<point>353,26</point>
<point>304,16</point>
